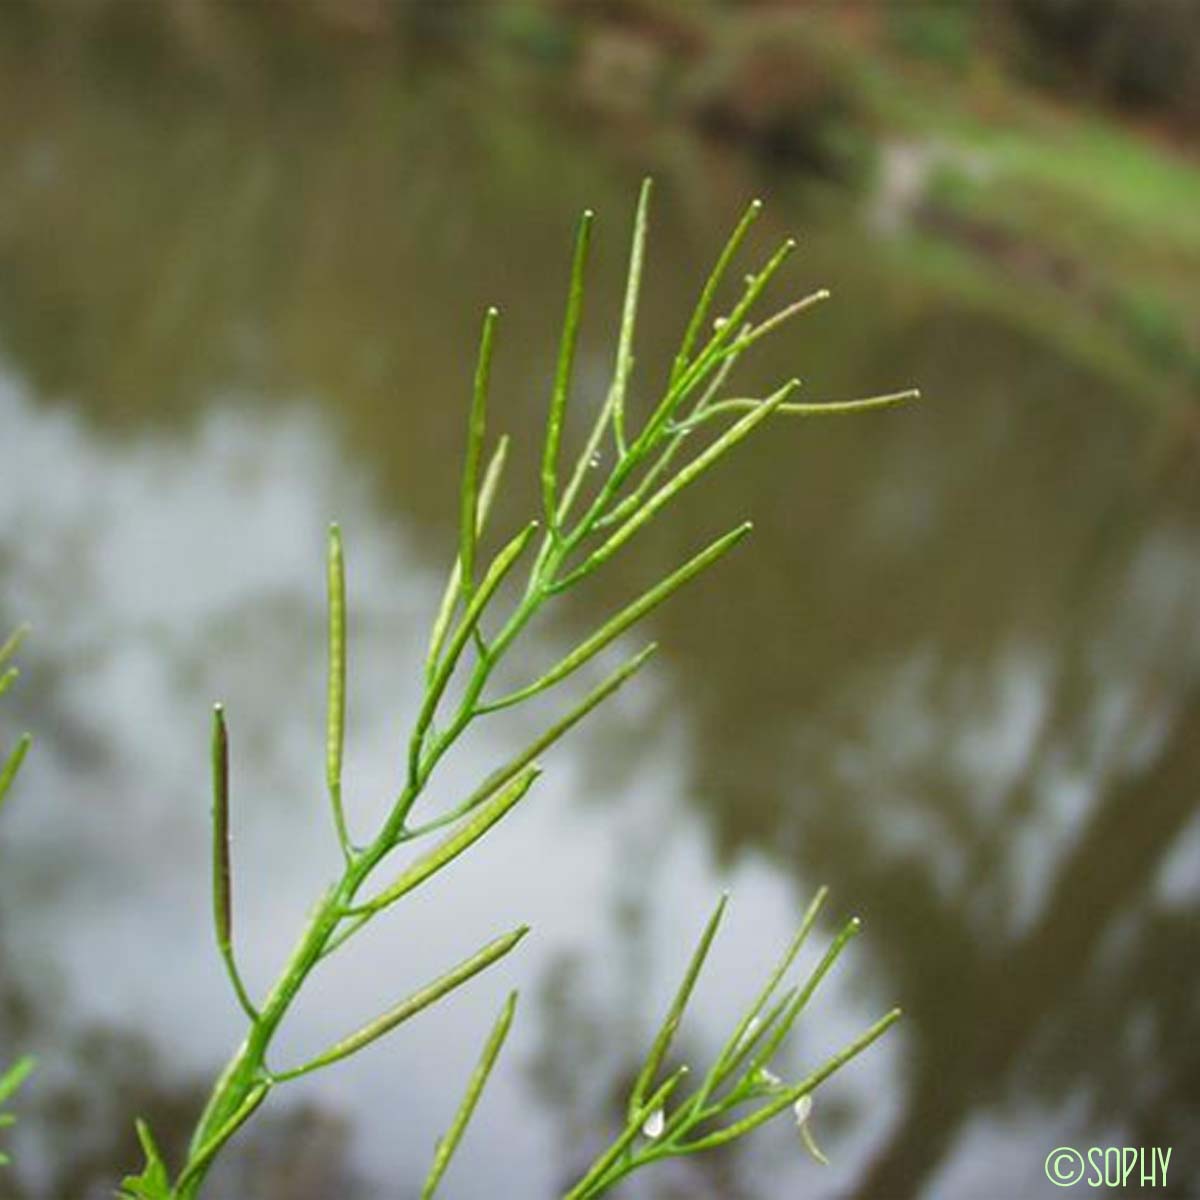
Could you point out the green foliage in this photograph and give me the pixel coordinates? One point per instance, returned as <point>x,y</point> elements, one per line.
<point>587,517</point>
<point>153,1181</point>
<point>10,1081</point>
<point>662,1124</point>
<point>16,1075</point>
<point>10,764</point>
<point>944,33</point>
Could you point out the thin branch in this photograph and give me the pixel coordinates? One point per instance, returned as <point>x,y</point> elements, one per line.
<point>628,616</point>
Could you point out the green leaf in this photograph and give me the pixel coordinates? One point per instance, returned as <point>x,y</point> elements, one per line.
<point>153,1183</point>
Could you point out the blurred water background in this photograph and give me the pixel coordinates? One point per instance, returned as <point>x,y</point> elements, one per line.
<point>955,674</point>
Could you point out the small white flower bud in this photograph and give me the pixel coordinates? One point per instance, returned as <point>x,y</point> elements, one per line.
<point>654,1124</point>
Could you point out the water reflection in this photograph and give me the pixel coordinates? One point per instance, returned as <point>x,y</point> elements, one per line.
<point>954,676</point>
<point>162,539</point>
<point>1005,812</point>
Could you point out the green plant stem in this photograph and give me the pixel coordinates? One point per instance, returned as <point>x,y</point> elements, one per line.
<point>459,651</point>
<point>247,1069</point>
<point>600,1175</point>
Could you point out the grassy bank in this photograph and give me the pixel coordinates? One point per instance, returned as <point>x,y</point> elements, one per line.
<point>1079,219</point>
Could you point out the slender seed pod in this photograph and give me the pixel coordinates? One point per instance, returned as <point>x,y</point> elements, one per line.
<point>709,291</point>
<point>487,1060</point>
<point>453,590</point>
<point>628,616</point>
<point>429,994</point>
<point>562,376</point>
<point>335,706</point>
<point>670,1026</point>
<point>788,1097</point>
<point>12,764</point>
<point>221,875</point>
<point>449,848</point>
<point>633,287</point>
<point>476,431</point>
